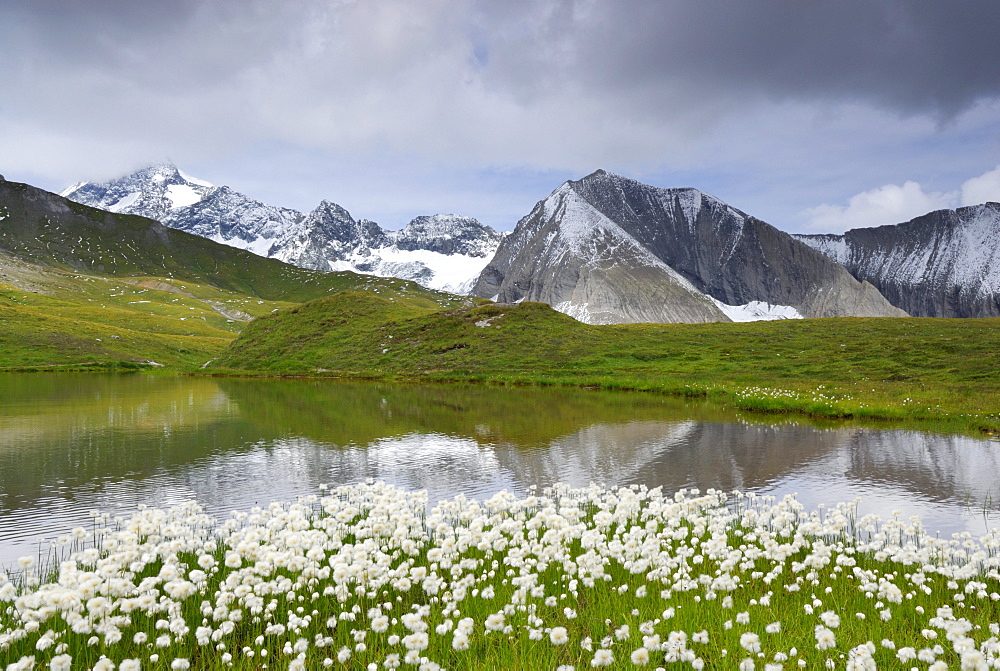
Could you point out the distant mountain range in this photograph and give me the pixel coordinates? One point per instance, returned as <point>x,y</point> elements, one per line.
<point>942,264</point>
<point>607,249</point>
<point>443,251</point>
<point>51,232</point>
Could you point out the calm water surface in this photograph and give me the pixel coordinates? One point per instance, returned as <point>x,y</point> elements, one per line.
<point>74,443</point>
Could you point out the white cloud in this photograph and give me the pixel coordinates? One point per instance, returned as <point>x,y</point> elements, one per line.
<point>889,204</point>
<point>982,189</point>
<point>893,204</point>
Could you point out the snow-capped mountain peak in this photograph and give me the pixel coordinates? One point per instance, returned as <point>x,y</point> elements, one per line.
<point>448,234</point>
<point>945,263</point>
<point>151,192</point>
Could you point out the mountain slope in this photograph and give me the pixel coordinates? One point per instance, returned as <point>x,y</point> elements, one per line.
<point>46,229</point>
<point>43,228</point>
<point>596,246</point>
<point>942,264</point>
<point>444,252</point>
<point>82,287</point>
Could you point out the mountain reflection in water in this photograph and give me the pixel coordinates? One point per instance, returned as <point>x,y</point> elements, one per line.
<point>74,443</point>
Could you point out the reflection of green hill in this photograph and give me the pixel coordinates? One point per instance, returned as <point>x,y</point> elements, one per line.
<point>359,413</point>
<point>876,368</point>
<point>62,430</point>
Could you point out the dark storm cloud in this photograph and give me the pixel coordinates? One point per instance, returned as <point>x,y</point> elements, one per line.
<point>190,43</point>
<point>908,56</point>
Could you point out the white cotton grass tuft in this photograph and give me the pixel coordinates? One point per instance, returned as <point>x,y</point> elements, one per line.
<point>369,576</point>
<point>640,656</point>
<point>603,657</point>
<point>750,642</point>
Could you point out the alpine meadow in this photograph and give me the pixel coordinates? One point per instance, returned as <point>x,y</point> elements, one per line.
<point>470,335</point>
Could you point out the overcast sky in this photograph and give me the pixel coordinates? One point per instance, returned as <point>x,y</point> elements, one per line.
<point>814,116</point>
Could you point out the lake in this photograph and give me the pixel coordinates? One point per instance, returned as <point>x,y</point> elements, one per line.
<point>73,443</point>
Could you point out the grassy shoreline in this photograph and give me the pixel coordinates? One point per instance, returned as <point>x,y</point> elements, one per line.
<point>759,402</point>
<point>925,371</point>
<point>941,374</point>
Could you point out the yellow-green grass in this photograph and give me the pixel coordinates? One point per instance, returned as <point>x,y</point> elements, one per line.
<point>107,323</point>
<point>57,319</point>
<point>38,339</point>
<point>941,370</point>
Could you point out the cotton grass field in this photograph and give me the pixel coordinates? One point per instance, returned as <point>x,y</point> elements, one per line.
<point>367,577</point>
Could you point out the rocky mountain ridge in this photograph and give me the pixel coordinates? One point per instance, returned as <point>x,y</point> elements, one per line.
<point>942,264</point>
<point>608,249</point>
<point>443,251</point>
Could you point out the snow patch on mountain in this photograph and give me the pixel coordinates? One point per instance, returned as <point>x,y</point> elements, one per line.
<point>833,246</point>
<point>756,311</point>
<point>453,273</point>
<point>125,203</point>
<point>65,193</point>
<point>258,246</point>
<point>182,195</point>
<point>690,203</point>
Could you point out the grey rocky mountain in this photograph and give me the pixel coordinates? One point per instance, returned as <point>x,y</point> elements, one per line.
<point>942,264</point>
<point>608,249</point>
<point>448,234</point>
<point>443,251</point>
<point>229,217</point>
<point>328,235</point>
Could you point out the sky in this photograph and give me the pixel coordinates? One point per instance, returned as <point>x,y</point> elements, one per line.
<point>813,116</point>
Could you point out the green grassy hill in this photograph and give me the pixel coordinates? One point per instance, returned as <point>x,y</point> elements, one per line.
<point>85,288</point>
<point>888,368</point>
